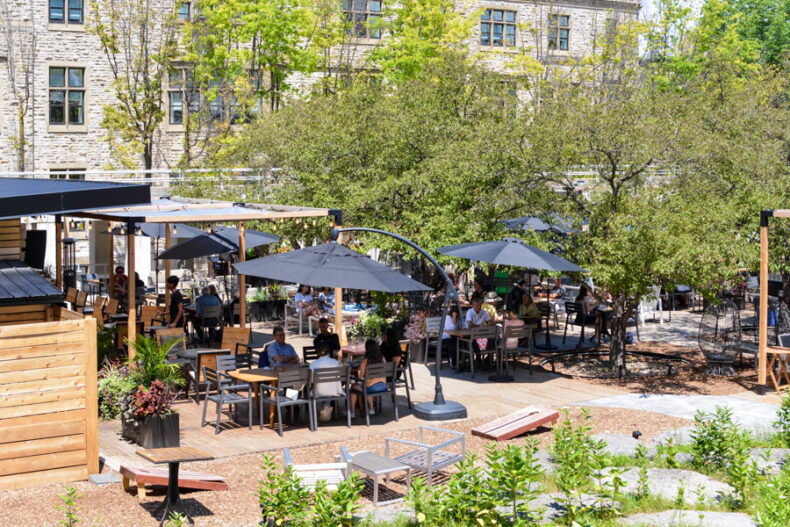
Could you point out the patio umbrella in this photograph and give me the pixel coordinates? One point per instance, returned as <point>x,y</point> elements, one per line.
<point>219,241</point>
<point>159,230</point>
<point>330,265</point>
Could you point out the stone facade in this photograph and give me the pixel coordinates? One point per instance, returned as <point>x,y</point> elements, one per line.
<point>84,147</point>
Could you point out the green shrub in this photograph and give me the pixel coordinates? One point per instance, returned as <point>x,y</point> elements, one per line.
<point>782,423</point>
<point>115,383</point>
<point>772,504</point>
<point>149,356</point>
<point>370,326</point>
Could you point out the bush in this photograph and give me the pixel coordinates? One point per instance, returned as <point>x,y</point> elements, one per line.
<point>156,400</point>
<point>115,383</point>
<point>150,357</point>
<point>782,423</point>
<point>773,501</point>
<point>370,326</point>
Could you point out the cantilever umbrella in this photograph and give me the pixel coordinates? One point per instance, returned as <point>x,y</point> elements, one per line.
<point>221,240</point>
<point>330,265</point>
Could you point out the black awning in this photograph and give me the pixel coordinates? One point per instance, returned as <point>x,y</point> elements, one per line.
<point>31,197</point>
<point>21,284</point>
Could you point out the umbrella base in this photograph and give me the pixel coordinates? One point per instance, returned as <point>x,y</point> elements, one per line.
<point>430,411</point>
<point>501,377</point>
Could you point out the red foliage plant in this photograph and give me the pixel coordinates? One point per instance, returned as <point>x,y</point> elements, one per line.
<point>154,401</point>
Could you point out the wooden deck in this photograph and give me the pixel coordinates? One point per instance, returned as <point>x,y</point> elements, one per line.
<point>481,397</point>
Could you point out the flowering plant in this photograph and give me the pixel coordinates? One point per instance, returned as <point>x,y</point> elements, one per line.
<point>415,330</point>
<point>156,400</point>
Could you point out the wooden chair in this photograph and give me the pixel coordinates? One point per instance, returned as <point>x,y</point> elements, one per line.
<point>151,314</point>
<point>97,307</point>
<point>71,295</point>
<point>79,303</point>
<point>374,371</point>
<point>227,394</point>
<point>404,347</point>
<point>236,339</point>
<point>330,473</point>
<point>111,308</point>
<point>290,379</point>
<point>466,345</point>
<point>340,376</point>
<point>429,457</point>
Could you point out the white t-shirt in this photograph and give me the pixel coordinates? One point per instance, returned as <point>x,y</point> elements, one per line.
<point>326,389</point>
<point>477,319</point>
<point>300,298</point>
<point>449,325</point>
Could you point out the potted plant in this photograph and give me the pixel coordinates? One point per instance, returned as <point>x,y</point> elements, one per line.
<point>277,299</point>
<point>415,331</point>
<point>158,425</point>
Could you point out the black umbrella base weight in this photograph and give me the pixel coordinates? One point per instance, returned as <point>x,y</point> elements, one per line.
<point>501,377</point>
<point>431,411</point>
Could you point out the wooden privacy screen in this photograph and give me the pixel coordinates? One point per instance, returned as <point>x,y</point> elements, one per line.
<point>48,405</point>
<point>10,239</point>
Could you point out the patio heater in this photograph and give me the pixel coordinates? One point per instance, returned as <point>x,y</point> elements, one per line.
<point>69,263</point>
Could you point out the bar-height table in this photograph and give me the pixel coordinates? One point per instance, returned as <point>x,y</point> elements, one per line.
<point>173,457</point>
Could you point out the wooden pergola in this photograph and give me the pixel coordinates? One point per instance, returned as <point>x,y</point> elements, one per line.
<point>184,210</point>
<point>779,354</point>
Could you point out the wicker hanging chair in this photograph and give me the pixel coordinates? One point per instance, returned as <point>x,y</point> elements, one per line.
<point>720,337</point>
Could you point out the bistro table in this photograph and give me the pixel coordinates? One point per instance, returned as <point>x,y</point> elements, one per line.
<point>352,350</point>
<point>547,311</point>
<point>173,457</point>
<point>256,376</point>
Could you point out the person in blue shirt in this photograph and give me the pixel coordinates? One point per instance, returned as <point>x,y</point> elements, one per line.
<point>279,353</point>
<point>205,300</point>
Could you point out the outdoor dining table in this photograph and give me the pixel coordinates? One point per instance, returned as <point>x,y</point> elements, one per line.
<point>173,456</point>
<point>353,350</point>
<point>153,329</point>
<point>256,376</point>
<point>547,345</point>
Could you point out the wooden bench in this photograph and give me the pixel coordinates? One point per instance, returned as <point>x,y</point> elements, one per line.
<point>143,476</point>
<point>517,423</point>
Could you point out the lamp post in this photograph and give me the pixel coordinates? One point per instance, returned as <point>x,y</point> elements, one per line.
<point>439,409</point>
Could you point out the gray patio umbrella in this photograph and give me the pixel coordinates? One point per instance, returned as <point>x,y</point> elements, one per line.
<point>330,265</point>
<point>512,252</point>
<point>159,230</point>
<point>220,241</point>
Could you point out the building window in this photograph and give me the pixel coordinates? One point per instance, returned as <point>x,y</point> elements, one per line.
<point>361,16</point>
<point>67,173</point>
<point>498,28</point>
<point>182,96</point>
<point>559,32</point>
<point>67,96</point>
<point>183,11</point>
<point>66,11</point>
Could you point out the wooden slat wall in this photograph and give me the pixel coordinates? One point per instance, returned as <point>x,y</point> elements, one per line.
<point>48,405</point>
<point>61,313</point>
<point>10,239</point>
<point>11,315</point>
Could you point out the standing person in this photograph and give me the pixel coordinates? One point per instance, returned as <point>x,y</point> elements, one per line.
<point>325,338</point>
<point>120,283</point>
<point>372,356</point>
<point>280,353</point>
<point>303,301</point>
<point>176,303</point>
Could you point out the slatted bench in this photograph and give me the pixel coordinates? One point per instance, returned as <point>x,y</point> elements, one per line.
<point>143,476</point>
<point>517,423</point>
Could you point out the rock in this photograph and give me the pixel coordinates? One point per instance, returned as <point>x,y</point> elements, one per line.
<point>546,461</point>
<point>665,483</point>
<point>386,515</point>
<point>679,436</point>
<point>683,457</point>
<point>553,508</point>
<point>677,518</point>
<point>773,462</point>
<point>101,480</point>
<point>618,444</point>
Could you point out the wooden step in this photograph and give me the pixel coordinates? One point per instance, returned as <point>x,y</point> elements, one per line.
<point>517,423</point>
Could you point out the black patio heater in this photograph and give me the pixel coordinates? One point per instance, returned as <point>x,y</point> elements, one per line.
<point>69,263</point>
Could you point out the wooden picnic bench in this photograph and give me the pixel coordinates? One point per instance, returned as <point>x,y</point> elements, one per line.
<point>143,476</point>
<point>517,423</point>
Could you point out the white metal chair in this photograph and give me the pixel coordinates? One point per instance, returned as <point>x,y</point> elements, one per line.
<point>650,305</point>
<point>294,313</point>
<point>330,473</point>
<point>429,458</point>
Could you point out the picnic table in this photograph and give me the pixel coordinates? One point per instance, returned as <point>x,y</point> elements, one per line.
<point>173,456</point>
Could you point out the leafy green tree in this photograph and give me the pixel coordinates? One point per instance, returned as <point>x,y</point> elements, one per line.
<point>138,38</point>
<point>767,24</point>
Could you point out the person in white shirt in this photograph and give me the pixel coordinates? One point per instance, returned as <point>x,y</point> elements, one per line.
<point>477,316</point>
<point>303,301</point>
<point>453,321</point>
<point>326,389</point>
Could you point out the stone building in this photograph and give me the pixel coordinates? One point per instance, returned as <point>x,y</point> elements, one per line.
<point>71,81</point>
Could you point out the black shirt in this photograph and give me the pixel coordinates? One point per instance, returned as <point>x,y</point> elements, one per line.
<point>176,299</point>
<point>330,339</point>
<point>390,350</point>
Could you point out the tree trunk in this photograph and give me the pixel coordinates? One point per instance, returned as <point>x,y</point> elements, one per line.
<point>617,346</point>
<point>20,146</point>
<point>786,288</point>
<point>148,156</point>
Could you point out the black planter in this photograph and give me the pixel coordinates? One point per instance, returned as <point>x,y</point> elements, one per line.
<point>159,432</point>
<point>278,309</point>
<point>129,429</point>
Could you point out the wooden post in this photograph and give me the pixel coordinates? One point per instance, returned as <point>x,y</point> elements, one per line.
<point>340,329</point>
<point>59,252</point>
<point>167,270</point>
<point>111,259</point>
<point>242,279</point>
<point>763,358</point>
<point>91,402</point>
<point>131,329</point>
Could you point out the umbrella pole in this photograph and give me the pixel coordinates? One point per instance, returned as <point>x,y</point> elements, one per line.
<point>167,269</point>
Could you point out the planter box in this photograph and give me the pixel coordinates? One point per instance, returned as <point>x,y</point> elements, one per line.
<point>159,432</point>
<point>129,429</point>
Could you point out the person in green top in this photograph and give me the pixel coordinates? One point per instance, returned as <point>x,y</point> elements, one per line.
<point>529,312</point>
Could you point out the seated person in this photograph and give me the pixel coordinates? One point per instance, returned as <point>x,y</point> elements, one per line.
<point>326,299</point>
<point>372,356</point>
<point>120,283</point>
<point>303,301</point>
<point>325,338</point>
<point>529,312</point>
<point>279,353</point>
<point>212,290</point>
<point>515,295</point>
<point>390,347</point>
<point>477,316</point>
<point>558,291</point>
<point>326,389</point>
<point>589,304</point>
<point>206,299</point>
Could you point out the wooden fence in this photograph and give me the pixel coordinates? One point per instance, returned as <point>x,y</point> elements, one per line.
<point>10,239</point>
<point>48,404</point>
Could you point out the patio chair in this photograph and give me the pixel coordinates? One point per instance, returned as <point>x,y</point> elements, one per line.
<point>237,340</point>
<point>150,315</point>
<point>511,344</point>
<point>79,303</point>
<point>309,354</point>
<point>575,315</point>
<point>71,295</point>
<point>467,346</point>
<point>431,330</point>
<point>404,348</point>
<point>403,372</point>
<point>294,313</point>
<point>111,308</point>
<point>288,379</point>
<point>340,376</point>
<point>210,319</point>
<point>227,394</point>
<point>429,458</point>
<point>330,473</point>
<point>97,307</point>
<point>651,305</point>
<point>374,371</point>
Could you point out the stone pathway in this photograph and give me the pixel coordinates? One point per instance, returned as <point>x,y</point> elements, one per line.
<point>773,462</point>
<point>677,518</point>
<point>752,415</point>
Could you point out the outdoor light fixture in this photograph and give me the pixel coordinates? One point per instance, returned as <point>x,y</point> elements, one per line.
<point>175,231</point>
<point>306,226</point>
<point>314,223</point>
<point>139,231</point>
<point>274,227</point>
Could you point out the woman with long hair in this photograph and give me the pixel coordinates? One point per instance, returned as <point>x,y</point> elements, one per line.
<point>377,385</point>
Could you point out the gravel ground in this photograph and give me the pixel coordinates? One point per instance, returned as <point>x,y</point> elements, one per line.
<point>111,506</point>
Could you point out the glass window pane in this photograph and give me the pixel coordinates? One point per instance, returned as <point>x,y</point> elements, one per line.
<point>374,6</point>
<point>360,5</point>
<point>176,108</point>
<point>486,15</point>
<point>498,14</point>
<point>485,33</point>
<point>497,38</point>
<point>374,31</point>
<point>75,11</point>
<point>563,39</point>
<point>174,79</point>
<point>510,35</point>
<point>183,11</point>
<point>360,25</point>
<point>57,110</point>
<point>76,107</point>
<point>564,21</point>
<point>57,77</point>
<point>510,16</point>
<point>215,109</point>
<point>552,39</point>
<point>76,79</point>
<point>56,8</point>
<point>346,5</point>
<point>193,101</point>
